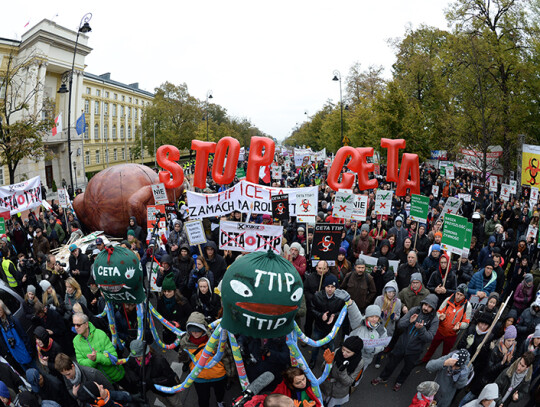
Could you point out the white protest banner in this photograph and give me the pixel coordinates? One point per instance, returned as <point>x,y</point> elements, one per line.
<point>360,208</point>
<point>328,162</point>
<point>505,192</point>
<point>20,197</point>
<point>493,183</point>
<point>513,187</point>
<point>378,342</point>
<point>63,197</point>
<point>451,205</point>
<point>153,273</point>
<point>465,197</point>
<point>160,195</point>
<point>276,173</point>
<point>435,190</point>
<point>383,202</point>
<point>343,204</point>
<point>532,232</point>
<point>247,197</point>
<point>250,237</point>
<point>319,155</point>
<point>242,155</point>
<point>371,264</point>
<point>450,172</point>
<point>195,232</point>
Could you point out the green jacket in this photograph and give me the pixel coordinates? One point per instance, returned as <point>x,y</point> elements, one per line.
<point>59,231</point>
<point>98,340</point>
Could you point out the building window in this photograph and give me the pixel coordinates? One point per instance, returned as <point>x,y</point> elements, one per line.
<point>136,101</point>
<point>130,99</point>
<point>87,106</point>
<point>1,175</point>
<point>88,91</point>
<point>106,94</point>
<point>96,107</point>
<point>106,132</point>
<point>136,113</point>
<point>115,96</point>
<point>115,155</point>
<point>122,132</point>
<point>87,157</point>
<point>96,131</point>
<point>114,131</point>
<point>122,113</point>
<point>105,109</point>
<point>129,132</point>
<point>129,112</point>
<point>97,157</point>
<point>114,110</point>
<point>98,92</point>
<point>87,131</point>
<point>123,153</point>
<point>123,98</point>
<point>107,156</point>
<point>130,157</point>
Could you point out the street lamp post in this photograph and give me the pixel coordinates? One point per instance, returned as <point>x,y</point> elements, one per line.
<point>155,158</point>
<point>208,96</point>
<point>337,77</point>
<point>84,28</point>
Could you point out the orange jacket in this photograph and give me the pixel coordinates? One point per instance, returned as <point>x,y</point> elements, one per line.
<point>455,313</point>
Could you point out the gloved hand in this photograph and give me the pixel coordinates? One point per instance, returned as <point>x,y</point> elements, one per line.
<point>328,356</point>
<point>342,295</point>
<point>470,340</point>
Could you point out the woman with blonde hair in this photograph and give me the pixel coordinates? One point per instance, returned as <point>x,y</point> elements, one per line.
<point>73,296</point>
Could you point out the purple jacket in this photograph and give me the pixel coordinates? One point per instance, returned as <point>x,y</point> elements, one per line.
<point>523,296</point>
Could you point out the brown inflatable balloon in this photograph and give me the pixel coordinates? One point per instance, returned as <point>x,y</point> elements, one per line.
<point>115,194</point>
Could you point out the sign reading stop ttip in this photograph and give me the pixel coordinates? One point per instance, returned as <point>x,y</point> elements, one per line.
<point>261,153</point>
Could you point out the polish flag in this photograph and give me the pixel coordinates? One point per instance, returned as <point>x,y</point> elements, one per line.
<point>57,125</point>
<point>265,174</point>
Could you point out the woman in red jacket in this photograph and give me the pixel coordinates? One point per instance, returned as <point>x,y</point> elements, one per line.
<point>296,386</point>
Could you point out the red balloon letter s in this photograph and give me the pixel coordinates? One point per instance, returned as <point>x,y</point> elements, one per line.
<point>167,157</point>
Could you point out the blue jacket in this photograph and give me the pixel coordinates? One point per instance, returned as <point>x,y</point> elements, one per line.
<point>477,283</point>
<point>486,252</point>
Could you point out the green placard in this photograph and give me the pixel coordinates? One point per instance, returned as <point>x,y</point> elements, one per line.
<point>2,226</point>
<point>240,172</point>
<point>442,171</point>
<point>468,238</point>
<point>419,208</point>
<point>454,233</point>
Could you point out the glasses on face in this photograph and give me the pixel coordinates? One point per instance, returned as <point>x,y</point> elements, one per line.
<point>78,325</point>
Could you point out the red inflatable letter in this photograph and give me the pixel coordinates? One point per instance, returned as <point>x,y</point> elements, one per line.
<point>226,175</point>
<point>409,162</point>
<point>347,179</point>
<point>363,173</point>
<point>170,164</point>
<point>392,164</point>
<point>257,159</point>
<point>203,149</point>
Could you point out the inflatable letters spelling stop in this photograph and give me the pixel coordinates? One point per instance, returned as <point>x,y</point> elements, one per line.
<point>119,275</point>
<point>261,294</point>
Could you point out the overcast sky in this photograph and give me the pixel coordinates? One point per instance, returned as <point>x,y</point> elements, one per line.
<point>267,62</point>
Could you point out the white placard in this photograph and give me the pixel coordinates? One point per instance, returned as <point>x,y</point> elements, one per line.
<point>22,196</point>
<point>250,237</point>
<point>276,173</point>
<point>160,195</point>
<point>465,197</point>
<point>451,205</point>
<point>360,208</point>
<point>493,183</point>
<point>450,172</point>
<point>435,190</point>
<point>195,232</point>
<point>343,204</point>
<point>505,192</point>
<point>383,202</point>
<point>513,186</point>
<point>532,232</point>
<point>63,197</point>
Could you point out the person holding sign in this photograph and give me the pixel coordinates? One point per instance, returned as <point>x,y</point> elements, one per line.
<point>442,281</point>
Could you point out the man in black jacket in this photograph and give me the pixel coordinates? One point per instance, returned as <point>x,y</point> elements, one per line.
<point>49,388</point>
<point>326,308</point>
<point>184,263</point>
<point>312,284</point>
<point>406,270</point>
<point>422,243</point>
<point>79,267</point>
<point>216,262</point>
<point>419,326</point>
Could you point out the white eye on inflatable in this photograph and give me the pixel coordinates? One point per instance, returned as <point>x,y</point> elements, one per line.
<point>241,289</point>
<point>297,295</point>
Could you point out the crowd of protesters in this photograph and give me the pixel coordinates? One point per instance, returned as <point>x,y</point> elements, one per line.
<point>397,318</point>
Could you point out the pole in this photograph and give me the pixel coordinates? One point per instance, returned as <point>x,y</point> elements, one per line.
<point>155,162</point>
<point>341,108</point>
<point>69,110</point>
<point>142,153</point>
<point>416,236</point>
<point>447,269</point>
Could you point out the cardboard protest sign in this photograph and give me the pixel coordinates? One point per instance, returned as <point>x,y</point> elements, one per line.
<point>532,232</point>
<point>467,242</point>
<point>478,193</point>
<point>450,172</point>
<point>451,206</point>
<point>435,190</point>
<point>513,186</point>
<point>250,237</point>
<point>505,192</point>
<point>280,207</point>
<point>465,197</point>
<point>419,208</point>
<point>195,232</point>
<point>287,166</point>
<point>525,192</point>
<point>371,263</point>
<point>326,241</point>
<point>493,183</point>
<point>343,204</point>
<point>534,195</point>
<point>454,231</point>
<point>360,208</point>
<point>475,302</point>
<point>160,195</point>
<point>306,201</point>
<point>152,270</point>
<point>276,173</point>
<point>63,198</point>
<point>383,202</point>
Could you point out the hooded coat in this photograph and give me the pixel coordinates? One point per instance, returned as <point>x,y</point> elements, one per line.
<point>490,392</point>
<point>528,321</point>
<point>216,264</point>
<point>360,328</point>
<point>207,304</point>
<point>390,318</point>
<point>50,349</point>
<point>404,273</point>
<point>412,340</point>
<point>486,252</point>
<point>436,279</point>
<point>400,232</point>
<point>450,381</point>
<point>139,234</point>
<point>382,274</point>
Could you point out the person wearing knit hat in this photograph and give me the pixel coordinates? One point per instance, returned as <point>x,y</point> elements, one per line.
<point>425,393</point>
<point>330,280</point>
<point>524,293</point>
<point>321,216</point>
<point>168,283</point>
<point>367,327</point>
<point>484,281</point>
<point>131,232</point>
<point>510,332</point>
<point>31,289</point>
<point>296,257</point>
<point>452,375</point>
<point>364,228</point>
<point>348,363</point>
<point>342,251</point>
<point>44,284</point>
<point>363,243</point>
<point>5,396</point>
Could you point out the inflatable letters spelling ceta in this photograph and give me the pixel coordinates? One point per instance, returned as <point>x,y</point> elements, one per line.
<point>118,273</point>
<point>261,293</point>
<point>261,153</point>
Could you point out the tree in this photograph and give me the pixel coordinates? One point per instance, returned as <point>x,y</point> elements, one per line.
<point>22,126</point>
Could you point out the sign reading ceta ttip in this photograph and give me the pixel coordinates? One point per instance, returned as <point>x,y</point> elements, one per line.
<point>250,237</point>
<point>419,208</point>
<point>261,153</point>
<point>454,233</point>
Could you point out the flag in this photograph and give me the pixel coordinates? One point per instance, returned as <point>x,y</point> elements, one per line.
<point>57,125</point>
<point>81,125</point>
<point>265,174</point>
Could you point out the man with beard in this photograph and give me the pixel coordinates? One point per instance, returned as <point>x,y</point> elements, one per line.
<point>419,326</point>
<point>360,285</point>
<point>406,270</point>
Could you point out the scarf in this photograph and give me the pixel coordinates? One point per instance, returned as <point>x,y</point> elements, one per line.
<point>501,344</point>
<point>146,359</point>
<point>515,381</point>
<point>350,363</point>
<point>77,379</point>
<point>169,303</point>
<point>479,332</point>
<point>198,341</point>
